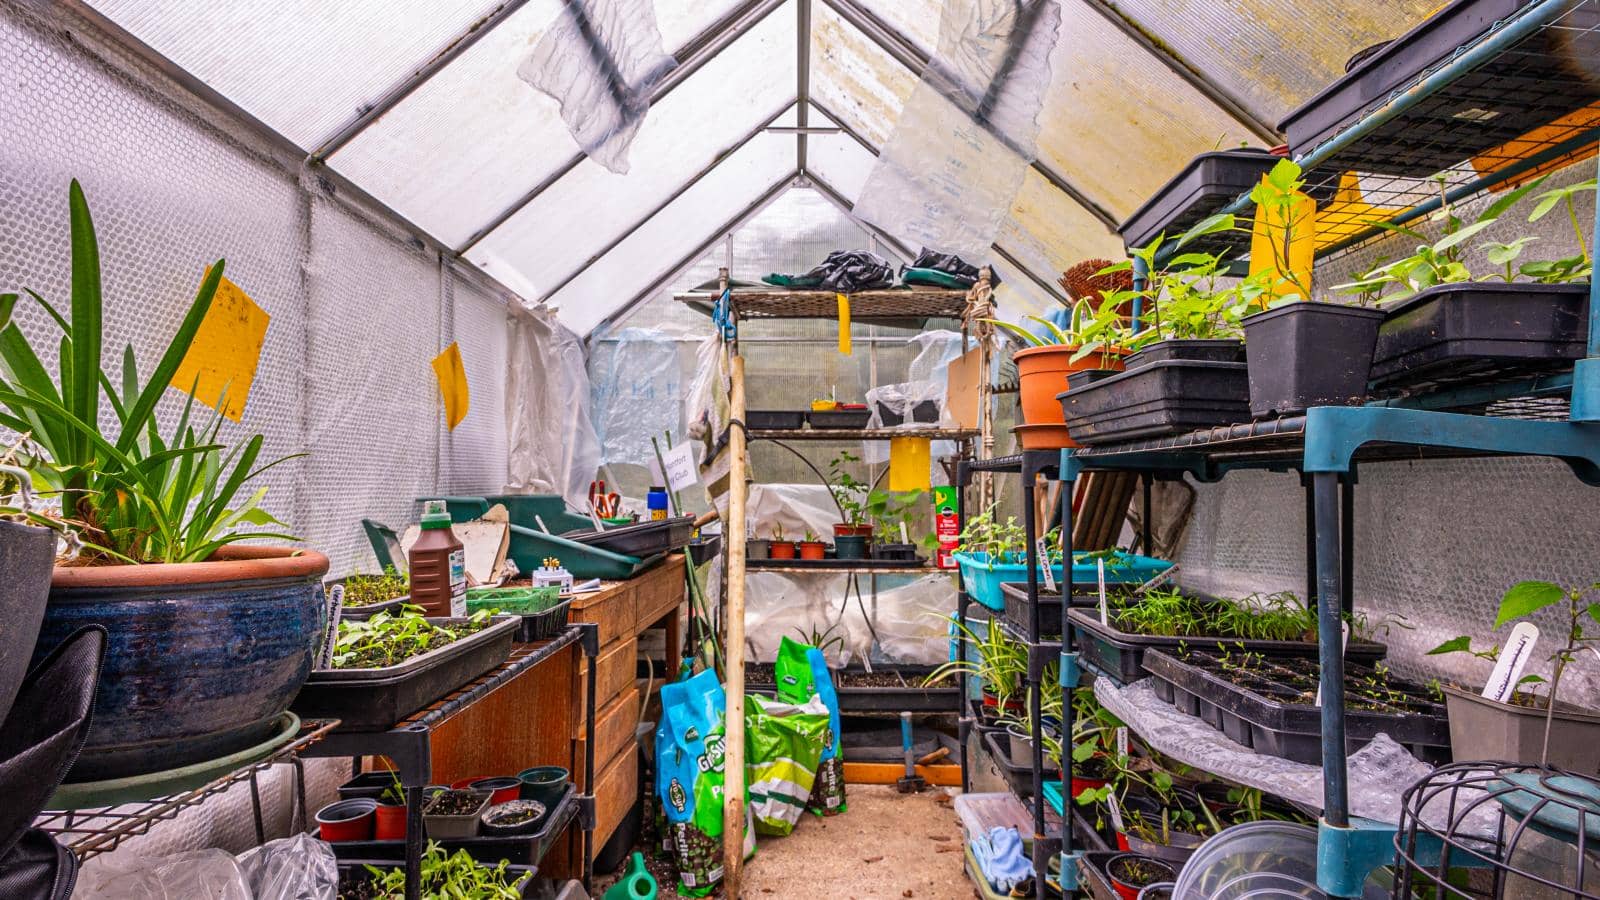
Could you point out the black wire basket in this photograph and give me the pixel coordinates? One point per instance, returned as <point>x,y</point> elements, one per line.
<point>1493,830</point>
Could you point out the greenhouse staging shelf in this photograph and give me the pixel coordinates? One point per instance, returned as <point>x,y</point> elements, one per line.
<point>861,434</point>
<point>892,304</point>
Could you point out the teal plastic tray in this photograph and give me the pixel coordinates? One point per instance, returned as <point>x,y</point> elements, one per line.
<point>530,548</point>
<point>982,578</point>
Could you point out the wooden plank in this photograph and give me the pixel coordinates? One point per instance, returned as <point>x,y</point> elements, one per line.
<point>525,722</point>
<point>614,728</point>
<point>616,790</point>
<point>614,673</point>
<point>662,591</point>
<point>889,773</point>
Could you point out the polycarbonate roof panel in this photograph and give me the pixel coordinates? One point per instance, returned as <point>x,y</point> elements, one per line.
<point>748,83</point>
<point>1270,55</point>
<point>681,21</point>
<point>1047,231</point>
<point>916,20</point>
<point>1116,121</point>
<point>304,67</point>
<point>669,236</point>
<point>854,78</point>
<point>838,159</point>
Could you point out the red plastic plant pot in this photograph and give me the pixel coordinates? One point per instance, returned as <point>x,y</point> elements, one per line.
<point>840,529</point>
<point>782,550</point>
<point>347,820</point>
<point>390,822</point>
<point>813,549</point>
<point>1079,785</point>
<point>501,788</point>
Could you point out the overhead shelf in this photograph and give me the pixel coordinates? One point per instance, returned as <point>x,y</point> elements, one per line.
<point>888,305</point>
<point>860,434</point>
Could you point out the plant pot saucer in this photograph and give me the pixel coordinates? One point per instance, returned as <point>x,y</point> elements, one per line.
<point>136,788</point>
<point>1556,803</point>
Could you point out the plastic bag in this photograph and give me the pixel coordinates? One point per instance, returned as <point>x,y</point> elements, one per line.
<point>802,673</point>
<point>690,775</point>
<point>212,874</point>
<point>292,868</point>
<point>783,746</point>
<point>910,404</point>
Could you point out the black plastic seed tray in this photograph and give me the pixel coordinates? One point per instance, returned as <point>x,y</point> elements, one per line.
<point>1120,656</point>
<point>1016,605</point>
<point>1277,714</point>
<point>998,746</point>
<point>375,699</point>
<point>519,850</point>
<point>1532,84</point>
<point>975,711</point>
<point>911,697</point>
<point>543,625</point>
<point>839,418</point>
<point>774,419</point>
<point>1157,398</point>
<point>1480,333</point>
<point>352,871</point>
<point>1229,350</point>
<point>643,539</point>
<point>1207,184</point>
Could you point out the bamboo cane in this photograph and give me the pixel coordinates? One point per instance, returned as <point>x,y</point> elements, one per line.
<point>733,774</point>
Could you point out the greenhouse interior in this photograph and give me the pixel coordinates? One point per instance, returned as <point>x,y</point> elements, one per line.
<point>800,448</point>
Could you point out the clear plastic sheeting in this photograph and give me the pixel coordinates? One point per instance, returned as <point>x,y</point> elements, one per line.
<point>636,389</point>
<point>947,177</point>
<point>552,444</point>
<point>292,868</point>
<point>1379,772</point>
<point>600,62</point>
<point>928,379</point>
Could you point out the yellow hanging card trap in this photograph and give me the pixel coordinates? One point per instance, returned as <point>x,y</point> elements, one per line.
<point>452,377</point>
<point>221,363</point>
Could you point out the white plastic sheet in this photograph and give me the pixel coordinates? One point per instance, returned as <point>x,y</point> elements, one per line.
<point>636,391</point>
<point>552,443</point>
<point>299,867</point>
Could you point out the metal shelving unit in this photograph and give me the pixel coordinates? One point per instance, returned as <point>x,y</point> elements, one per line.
<point>408,744</point>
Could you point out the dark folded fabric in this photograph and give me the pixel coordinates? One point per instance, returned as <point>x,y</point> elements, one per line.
<point>852,270</point>
<point>950,264</point>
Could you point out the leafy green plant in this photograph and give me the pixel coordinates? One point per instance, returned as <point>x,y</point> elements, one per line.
<point>888,510</point>
<point>138,495</point>
<point>388,639</point>
<point>366,590</point>
<point>849,493</point>
<point>443,875</point>
<point>1001,663</point>
<point>984,533</point>
<point>1278,198</point>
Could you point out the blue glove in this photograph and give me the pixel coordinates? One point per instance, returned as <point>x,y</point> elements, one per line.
<point>999,857</point>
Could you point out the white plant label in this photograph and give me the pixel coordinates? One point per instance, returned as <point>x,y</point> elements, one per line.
<point>1105,606</point>
<point>1513,659</point>
<point>335,613</point>
<point>682,473</point>
<point>1116,812</point>
<point>1049,570</point>
<point>1344,643</point>
<point>1122,741</point>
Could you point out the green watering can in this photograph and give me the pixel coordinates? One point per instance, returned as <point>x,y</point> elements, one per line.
<point>636,883</point>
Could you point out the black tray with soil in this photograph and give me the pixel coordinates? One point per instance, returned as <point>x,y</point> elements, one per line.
<point>354,878</point>
<point>1208,183</point>
<point>1479,333</point>
<point>886,689</point>
<point>839,418</point>
<point>1229,350</point>
<point>643,539</point>
<point>1157,398</point>
<point>1511,94</point>
<point>1120,655</point>
<point>835,563</point>
<point>979,724</point>
<point>1020,778</point>
<point>774,419</point>
<point>1084,596</point>
<point>519,849</point>
<point>1270,704</point>
<point>375,699</point>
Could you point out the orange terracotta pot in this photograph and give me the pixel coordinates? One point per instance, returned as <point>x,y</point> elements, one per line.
<point>1042,374</point>
<point>1043,437</point>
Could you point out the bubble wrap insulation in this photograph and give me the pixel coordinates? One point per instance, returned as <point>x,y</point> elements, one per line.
<point>357,311</point>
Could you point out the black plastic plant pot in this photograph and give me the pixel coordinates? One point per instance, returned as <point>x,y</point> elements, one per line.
<point>367,784</point>
<point>1209,182</point>
<point>463,824</point>
<point>926,412</point>
<point>1478,333</point>
<point>839,418</point>
<point>27,557</point>
<point>1503,99</point>
<point>1157,398</point>
<point>705,548</point>
<point>1309,354</point>
<point>851,546</point>
<point>774,419</point>
<point>1190,349</point>
<point>893,552</point>
<point>1083,377</point>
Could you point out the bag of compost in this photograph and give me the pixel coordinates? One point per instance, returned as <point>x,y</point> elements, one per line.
<point>690,777</point>
<point>802,673</point>
<point>783,745</point>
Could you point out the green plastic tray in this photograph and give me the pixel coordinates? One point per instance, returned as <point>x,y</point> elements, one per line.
<point>529,548</point>
<point>526,510</point>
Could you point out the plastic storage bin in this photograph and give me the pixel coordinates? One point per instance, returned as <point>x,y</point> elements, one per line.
<point>982,579</point>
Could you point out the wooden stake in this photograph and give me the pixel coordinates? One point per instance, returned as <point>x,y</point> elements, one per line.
<point>733,533</point>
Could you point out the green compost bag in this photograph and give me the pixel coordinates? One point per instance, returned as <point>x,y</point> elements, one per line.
<point>690,777</point>
<point>783,745</point>
<point>802,673</point>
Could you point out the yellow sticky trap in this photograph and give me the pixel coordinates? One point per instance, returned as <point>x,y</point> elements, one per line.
<point>1348,213</point>
<point>1280,241</point>
<point>221,363</point>
<point>844,324</point>
<point>909,464</point>
<point>452,377</point>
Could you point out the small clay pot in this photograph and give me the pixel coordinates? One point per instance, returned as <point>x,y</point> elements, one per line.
<point>813,549</point>
<point>782,550</point>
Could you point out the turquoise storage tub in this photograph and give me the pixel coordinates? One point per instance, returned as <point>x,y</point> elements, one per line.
<point>982,579</point>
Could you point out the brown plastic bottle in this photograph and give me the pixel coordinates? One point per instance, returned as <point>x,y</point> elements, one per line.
<point>438,566</point>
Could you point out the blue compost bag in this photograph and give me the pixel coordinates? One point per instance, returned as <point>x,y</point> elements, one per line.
<point>690,761</point>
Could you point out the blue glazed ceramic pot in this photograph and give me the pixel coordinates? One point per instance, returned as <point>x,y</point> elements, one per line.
<point>201,658</point>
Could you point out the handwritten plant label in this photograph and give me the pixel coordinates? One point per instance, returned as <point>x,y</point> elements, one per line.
<point>1513,659</point>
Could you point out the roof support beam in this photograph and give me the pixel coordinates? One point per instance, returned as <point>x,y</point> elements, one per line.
<point>416,79</point>
<point>694,55</point>
<point>802,68</point>
<point>656,210</point>
<point>756,206</point>
<point>916,61</point>
<point>1181,67</point>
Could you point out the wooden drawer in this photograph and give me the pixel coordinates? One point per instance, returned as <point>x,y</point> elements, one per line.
<point>616,790</point>
<point>614,610</point>
<point>614,728</point>
<point>662,592</point>
<point>614,673</point>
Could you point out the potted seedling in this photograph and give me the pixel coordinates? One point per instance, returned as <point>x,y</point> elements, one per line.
<point>207,641</point>
<point>781,547</point>
<point>389,823</point>
<point>812,547</point>
<point>1044,364</point>
<point>454,814</point>
<point>1130,873</point>
<point>891,515</point>
<point>999,663</point>
<point>441,875</point>
<point>1446,324</point>
<point>1509,720</point>
<point>757,548</point>
<point>852,536</point>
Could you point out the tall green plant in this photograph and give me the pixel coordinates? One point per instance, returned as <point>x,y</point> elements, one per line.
<point>136,495</point>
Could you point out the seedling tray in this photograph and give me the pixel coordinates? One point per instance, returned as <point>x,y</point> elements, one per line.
<point>839,418</point>
<point>1157,398</point>
<point>519,850</point>
<point>354,868</point>
<point>975,711</point>
<point>375,699</point>
<point>877,699</point>
<point>834,563</point>
<point>1531,85</point>
<point>644,539</point>
<point>1084,596</point>
<point>1479,333</point>
<point>1191,349</point>
<point>1020,778</point>
<point>774,419</point>
<point>1120,656</point>
<point>1208,183</point>
<point>1275,715</point>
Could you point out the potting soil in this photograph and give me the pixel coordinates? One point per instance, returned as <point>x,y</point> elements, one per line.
<point>783,746</point>
<point>690,774</point>
<point>801,673</point>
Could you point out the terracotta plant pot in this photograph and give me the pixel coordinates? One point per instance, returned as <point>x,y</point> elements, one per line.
<point>812,549</point>
<point>1042,374</point>
<point>841,529</point>
<point>782,550</point>
<point>201,658</point>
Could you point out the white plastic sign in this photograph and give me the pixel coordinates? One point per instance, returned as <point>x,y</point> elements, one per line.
<point>1049,570</point>
<point>681,471</point>
<point>1105,608</point>
<point>1116,812</point>
<point>1122,741</point>
<point>1344,643</point>
<point>1513,659</point>
<point>335,613</point>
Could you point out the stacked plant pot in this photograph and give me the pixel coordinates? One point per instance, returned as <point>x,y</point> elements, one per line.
<point>1042,374</point>
<point>1168,387</point>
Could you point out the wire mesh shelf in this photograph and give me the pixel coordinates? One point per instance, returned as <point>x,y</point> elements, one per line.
<point>91,832</point>
<point>865,306</point>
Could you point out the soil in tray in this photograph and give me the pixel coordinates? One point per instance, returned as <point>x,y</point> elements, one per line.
<point>1295,681</point>
<point>455,803</point>
<point>1170,613</point>
<point>762,674</point>
<point>402,638</point>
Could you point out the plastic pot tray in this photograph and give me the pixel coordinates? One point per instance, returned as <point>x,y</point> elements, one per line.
<point>1287,726</point>
<point>981,579</point>
<point>1158,398</point>
<point>1478,333</point>
<point>528,885</point>
<point>1502,99</point>
<point>1020,778</point>
<point>912,698</point>
<point>1084,596</point>
<point>529,548</point>
<point>774,419</point>
<point>518,849</point>
<point>375,699</point>
<point>1120,656</point>
<point>1209,182</point>
<point>839,418</point>
<point>641,540</point>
